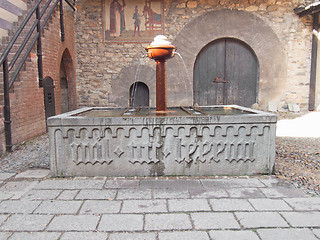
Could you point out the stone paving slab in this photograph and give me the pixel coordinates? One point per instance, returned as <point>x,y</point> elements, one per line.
<point>58,207</point>
<point>270,205</point>
<point>230,205</point>
<point>260,220</point>
<point>232,183</point>
<point>286,234</point>
<point>74,223</point>
<point>103,194</point>
<point>161,222</point>
<point>5,176</point>
<point>188,235</point>
<point>121,222</point>
<point>304,204</point>
<point>34,173</point>
<point>302,219</point>
<point>144,206</point>
<point>171,184</point>
<point>170,194</point>
<point>70,184</point>
<point>84,236</point>
<point>132,236</point>
<point>248,208</point>
<point>214,221</point>
<point>100,207</point>
<point>26,222</point>
<point>188,205</point>
<point>233,235</point>
<point>17,206</point>
<point>35,235</point>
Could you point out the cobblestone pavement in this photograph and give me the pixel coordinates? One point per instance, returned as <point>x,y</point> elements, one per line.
<point>34,206</point>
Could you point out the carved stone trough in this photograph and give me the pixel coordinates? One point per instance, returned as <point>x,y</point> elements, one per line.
<point>214,140</point>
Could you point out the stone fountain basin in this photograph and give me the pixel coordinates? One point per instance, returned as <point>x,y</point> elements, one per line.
<point>211,140</point>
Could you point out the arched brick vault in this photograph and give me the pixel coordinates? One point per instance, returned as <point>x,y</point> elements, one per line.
<point>119,96</point>
<point>221,24</point>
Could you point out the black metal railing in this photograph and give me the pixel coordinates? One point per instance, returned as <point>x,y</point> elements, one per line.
<point>12,68</point>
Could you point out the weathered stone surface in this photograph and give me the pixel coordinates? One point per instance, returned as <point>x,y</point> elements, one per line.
<point>149,146</point>
<point>148,206</point>
<point>121,222</point>
<point>73,223</point>
<point>302,219</point>
<point>260,219</point>
<point>185,235</point>
<point>214,221</point>
<point>239,235</point>
<point>100,207</point>
<point>230,205</point>
<point>269,234</point>
<point>26,222</point>
<point>161,222</point>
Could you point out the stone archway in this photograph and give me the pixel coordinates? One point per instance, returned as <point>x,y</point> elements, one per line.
<point>231,24</point>
<point>67,98</point>
<point>126,78</point>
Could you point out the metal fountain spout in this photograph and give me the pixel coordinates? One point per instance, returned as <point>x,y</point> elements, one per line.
<point>161,50</point>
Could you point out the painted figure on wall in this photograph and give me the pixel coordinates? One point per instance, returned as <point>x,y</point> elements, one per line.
<point>137,22</point>
<point>117,20</point>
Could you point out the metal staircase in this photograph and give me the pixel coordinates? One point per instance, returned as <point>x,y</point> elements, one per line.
<point>14,56</point>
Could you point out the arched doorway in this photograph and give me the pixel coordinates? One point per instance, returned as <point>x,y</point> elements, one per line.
<point>226,71</point>
<point>139,95</point>
<point>67,83</point>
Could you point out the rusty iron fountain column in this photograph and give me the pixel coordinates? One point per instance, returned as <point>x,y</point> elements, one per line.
<point>161,50</point>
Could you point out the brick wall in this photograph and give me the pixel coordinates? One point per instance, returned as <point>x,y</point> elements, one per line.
<point>26,98</point>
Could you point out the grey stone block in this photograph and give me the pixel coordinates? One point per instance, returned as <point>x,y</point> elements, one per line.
<point>232,183</point>
<point>144,206</point>
<point>41,194</point>
<point>286,234</point>
<point>245,193</point>
<point>68,195</point>
<point>214,221</point>
<point>121,222</point>
<point>270,205</point>
<point>188,205</point>
<point>229,205</point>
<point>5,235</point>
<point>185,145</point>
<point>170,194</point>
<point>74,223</point>
<point>5,196</point>
<point>134,194</point>
<point>208,193</point>
<point>185,235</point>
<point>59,207</point>
<point>260,219</point>
<point>70,184</point>
<point>84,236</point>
<point>35,235</point>
<point>132,236</point>
<point>302,219</point>
<point>232,235</point>
<point>18,206</point>
<point>171,184</point>
<point>316,232</point>
<point>17,188</point>
<point>97,194</point>
<point>122,183</point>
<point>34,173</point>
<point>283,192</point>
<point>100,207</point>
<point>26,222</point>
<point>3,218</point>
<point>304,204</point>
<point>161,222</point>
<point>5,176</point>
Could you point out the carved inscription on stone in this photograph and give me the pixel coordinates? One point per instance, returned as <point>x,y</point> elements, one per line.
<point>183,145</point>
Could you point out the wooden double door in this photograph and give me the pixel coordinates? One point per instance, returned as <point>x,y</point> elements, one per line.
<point>226,71</point>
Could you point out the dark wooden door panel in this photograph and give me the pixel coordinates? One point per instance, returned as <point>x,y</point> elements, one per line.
<point>226,72</point>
